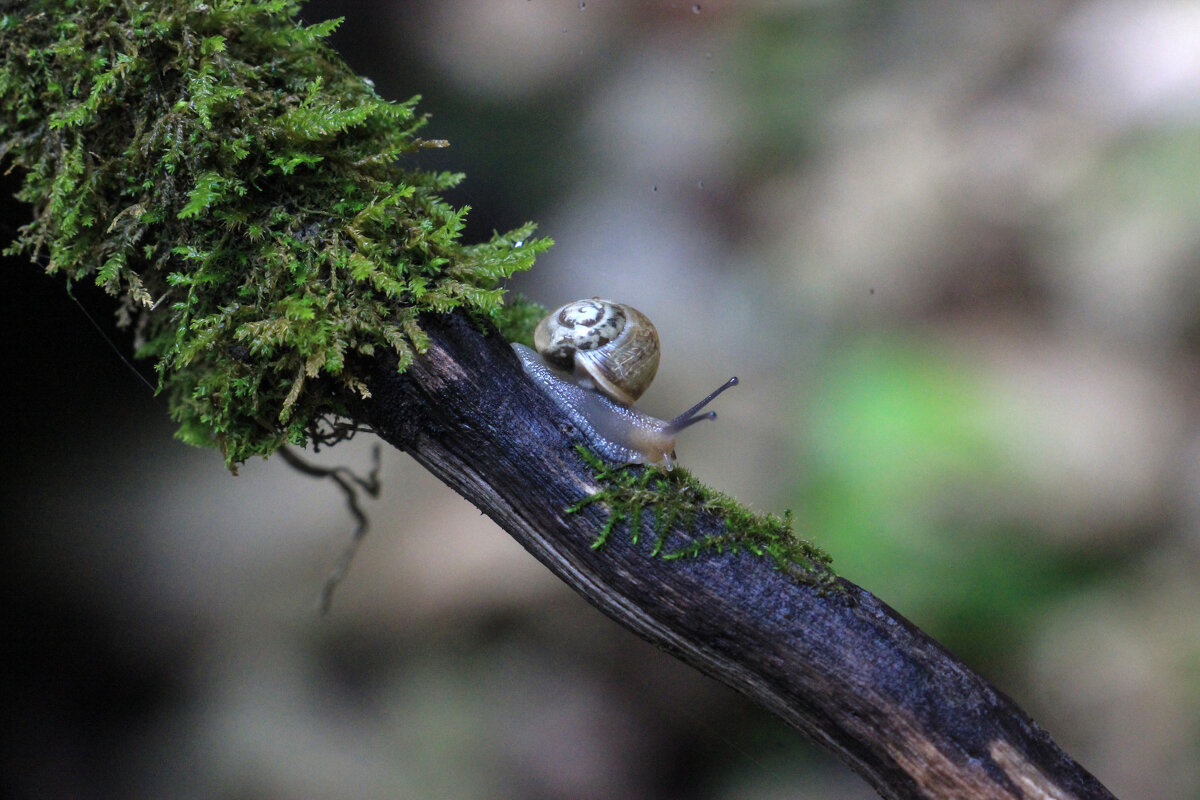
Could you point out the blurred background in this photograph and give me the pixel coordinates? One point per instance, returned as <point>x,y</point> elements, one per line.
<point>952,249</point>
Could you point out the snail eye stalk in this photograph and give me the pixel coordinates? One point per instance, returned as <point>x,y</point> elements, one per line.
<point>693,415</point>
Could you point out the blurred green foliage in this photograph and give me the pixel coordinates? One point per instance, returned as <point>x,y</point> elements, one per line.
<point>906,464</point>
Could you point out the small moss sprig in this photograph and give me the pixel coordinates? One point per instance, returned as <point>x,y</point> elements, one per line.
<point>242,193</point>
<point>675,499</point>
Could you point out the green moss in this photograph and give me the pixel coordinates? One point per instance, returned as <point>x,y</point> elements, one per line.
<point>223,174</point>
<point>517,318</point>
<point>671,499</point>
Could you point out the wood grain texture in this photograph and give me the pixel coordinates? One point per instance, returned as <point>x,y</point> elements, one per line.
<point>846,669</point>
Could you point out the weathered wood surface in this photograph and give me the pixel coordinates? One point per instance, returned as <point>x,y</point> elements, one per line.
<point>846,669</point>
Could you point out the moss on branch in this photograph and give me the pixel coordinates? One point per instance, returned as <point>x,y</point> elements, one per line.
<point>242,193</point>
<point>672,500</point>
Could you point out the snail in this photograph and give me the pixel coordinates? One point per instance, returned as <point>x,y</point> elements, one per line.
<point>594,359</point>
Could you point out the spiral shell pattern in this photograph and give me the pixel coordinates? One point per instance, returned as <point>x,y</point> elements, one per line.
<point>612,345</point>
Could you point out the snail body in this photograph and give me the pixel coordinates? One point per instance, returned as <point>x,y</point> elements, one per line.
<point>594,359</point>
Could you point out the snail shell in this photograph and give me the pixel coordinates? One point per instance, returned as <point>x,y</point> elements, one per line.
<point>594,358</point>
<point>612,345</point>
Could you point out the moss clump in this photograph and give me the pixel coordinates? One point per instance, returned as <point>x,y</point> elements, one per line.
<point>675,498</point>
<point>223,174</point>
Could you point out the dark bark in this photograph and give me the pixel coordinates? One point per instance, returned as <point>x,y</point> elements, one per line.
<point>843,667</point>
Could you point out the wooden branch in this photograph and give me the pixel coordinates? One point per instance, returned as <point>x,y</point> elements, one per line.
<point>843,667</point>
